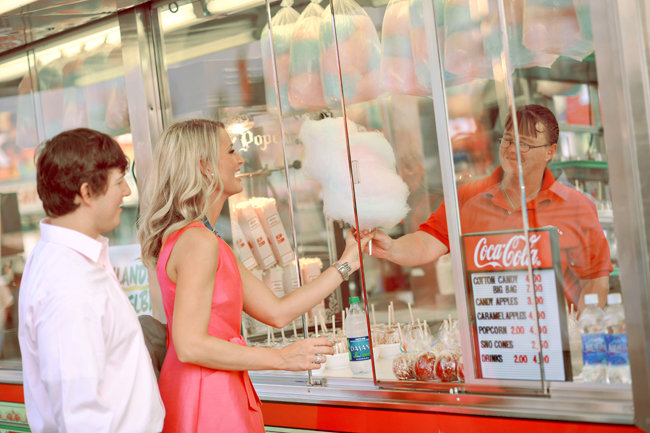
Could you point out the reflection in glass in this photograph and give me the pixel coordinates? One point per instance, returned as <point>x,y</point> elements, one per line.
<point>76,81</point>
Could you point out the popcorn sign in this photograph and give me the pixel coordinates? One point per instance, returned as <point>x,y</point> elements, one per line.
<point>519,323</point>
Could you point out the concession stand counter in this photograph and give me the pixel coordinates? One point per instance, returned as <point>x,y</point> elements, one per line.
<point>368,114</point>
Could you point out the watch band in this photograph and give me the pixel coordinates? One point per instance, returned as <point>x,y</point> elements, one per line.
<point>344,269</point>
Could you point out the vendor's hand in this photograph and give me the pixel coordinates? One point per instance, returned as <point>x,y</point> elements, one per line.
<point>304,354</point>
<point>351,252</point>
<point>381,243</point>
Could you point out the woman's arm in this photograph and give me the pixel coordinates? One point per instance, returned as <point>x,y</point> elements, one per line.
<point>192,265</point>
<point>261,303</point>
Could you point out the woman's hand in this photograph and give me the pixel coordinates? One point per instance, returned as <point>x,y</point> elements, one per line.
<point>307,354</point>
<point>351,252</point>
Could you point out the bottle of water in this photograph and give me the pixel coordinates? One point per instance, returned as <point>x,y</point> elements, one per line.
<point>618,360</point>
<point>356,331</point>
<point>594,347</point>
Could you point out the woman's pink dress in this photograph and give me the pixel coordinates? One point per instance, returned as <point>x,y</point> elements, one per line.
<point>200,399</point>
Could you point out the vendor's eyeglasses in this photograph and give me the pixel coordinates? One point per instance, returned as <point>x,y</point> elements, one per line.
<point>523,146</point>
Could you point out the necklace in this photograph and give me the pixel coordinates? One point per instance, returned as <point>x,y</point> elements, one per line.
<point>511,203</point>
<point>207,224</point>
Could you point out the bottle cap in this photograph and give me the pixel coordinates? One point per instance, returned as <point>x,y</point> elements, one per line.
<point>591,299</point>
<point>613,298</point>
<point>354,300</point>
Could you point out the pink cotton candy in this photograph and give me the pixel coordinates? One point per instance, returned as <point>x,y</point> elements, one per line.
<point>465,56</point>
<point>381,194</point>
<point>398,75</point>
<point>369,87</point>
<point>419,44</point>
<point>306,91</point>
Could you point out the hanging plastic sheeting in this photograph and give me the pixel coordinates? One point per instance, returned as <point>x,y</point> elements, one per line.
<point>75,114</point>
<point>26,130</point>
<point>117,109</point>
<point>559,27</point>
<point>397,60</point>
<point>282,25</point>
<point>359,54</point>
<point>305,85</point>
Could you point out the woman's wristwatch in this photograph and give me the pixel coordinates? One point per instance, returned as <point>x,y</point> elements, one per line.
<point>344,269</point>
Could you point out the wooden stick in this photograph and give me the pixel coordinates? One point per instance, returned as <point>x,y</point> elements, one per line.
<point>323,325</point>
<point>374,322</point>
<point>411,313</point>
<point>284,339</point>
<point>295,331</point>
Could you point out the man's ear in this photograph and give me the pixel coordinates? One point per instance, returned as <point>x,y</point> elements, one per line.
<point>85,194</point>
<point>551,151</point>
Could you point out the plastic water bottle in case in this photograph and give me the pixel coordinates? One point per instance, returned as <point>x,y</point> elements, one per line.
<point>618,359</point>
<point>594,346</point>
<point>356,331</point>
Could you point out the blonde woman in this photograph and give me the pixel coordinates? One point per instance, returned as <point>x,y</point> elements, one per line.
<point>204,381</point>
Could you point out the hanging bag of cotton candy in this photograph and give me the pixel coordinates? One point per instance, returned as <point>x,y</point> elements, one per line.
<point>560,27</point>
<point>359,52</point>
<point>381,194</point>
<point>418,33</point>
<point>305,85</point>
<point>520,55</point>
<point>464,45</point>
<point>280,32</point>
<point>397,61</point>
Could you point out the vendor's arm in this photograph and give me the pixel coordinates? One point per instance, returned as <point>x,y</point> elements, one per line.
<point>599,286</point>
<point>192,266</point>
<point>261,303</point>
<point>412,249</point>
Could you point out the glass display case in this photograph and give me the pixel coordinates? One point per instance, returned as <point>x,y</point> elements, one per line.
<point>394,117</point>
<point>368,115</point>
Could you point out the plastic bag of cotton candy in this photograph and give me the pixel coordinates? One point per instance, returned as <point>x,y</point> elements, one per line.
<point>282,25</point>
<point>380,192</point>
<point>359,54</point>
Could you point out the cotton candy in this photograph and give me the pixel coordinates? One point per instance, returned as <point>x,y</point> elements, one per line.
<point>305,85</point>
<point>381,194</point>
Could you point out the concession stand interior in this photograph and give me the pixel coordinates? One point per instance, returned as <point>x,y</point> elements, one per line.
<point>365,114</point>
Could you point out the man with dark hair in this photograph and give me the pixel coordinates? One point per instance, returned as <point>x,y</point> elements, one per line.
<point>494,204</point>
<point>85,364</point>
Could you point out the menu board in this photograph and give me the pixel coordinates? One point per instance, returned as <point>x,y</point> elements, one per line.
<point>506,306</point>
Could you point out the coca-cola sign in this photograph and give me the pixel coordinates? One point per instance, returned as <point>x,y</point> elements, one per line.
<point>507,251</point>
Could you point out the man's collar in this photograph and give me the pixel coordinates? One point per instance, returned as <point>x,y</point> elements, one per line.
<point>73,239</point>
<point>549,185</point>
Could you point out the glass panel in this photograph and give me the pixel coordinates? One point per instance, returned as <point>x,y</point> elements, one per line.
<point>75,81</point>
<point>361,96</point>
<point>18,195</point>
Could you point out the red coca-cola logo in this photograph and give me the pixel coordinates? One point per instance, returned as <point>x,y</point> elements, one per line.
<point>512,253</point>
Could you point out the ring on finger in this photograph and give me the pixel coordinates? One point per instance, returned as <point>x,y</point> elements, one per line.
<point>319,358</point>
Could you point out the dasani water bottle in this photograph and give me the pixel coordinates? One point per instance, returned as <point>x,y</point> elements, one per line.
<point>618,360</point>
<point>594,347</point>
<point>356,331</point>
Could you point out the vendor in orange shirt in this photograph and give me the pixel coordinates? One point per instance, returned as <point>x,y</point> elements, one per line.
<point>494,203</point>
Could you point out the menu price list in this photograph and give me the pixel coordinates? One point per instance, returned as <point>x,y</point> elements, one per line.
<point>505,325</point>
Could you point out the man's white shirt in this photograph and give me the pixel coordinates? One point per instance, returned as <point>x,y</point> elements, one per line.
<point>85,364</point>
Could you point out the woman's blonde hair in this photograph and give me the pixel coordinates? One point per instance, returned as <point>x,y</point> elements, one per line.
<point>177,191</point>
